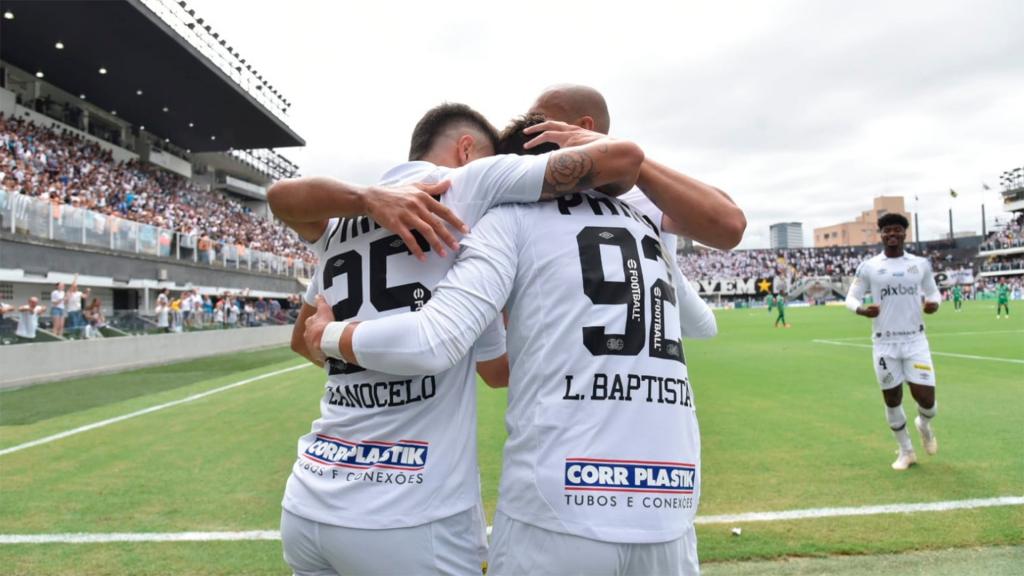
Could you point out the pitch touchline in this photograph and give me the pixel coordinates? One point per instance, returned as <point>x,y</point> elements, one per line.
<point>934,353</point>
<point>930,334</point>
<point>117,419</point>
<point>83,538</point>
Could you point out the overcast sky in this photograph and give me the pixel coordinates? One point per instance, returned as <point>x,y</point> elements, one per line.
<point>801,110</point>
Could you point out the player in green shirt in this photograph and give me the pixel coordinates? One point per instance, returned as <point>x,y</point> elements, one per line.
<point>958,298</point>
<point>1002,300</point>
<point>780,303</point>
<point>770,301</point>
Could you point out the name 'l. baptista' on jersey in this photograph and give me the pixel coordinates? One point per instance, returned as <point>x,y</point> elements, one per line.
<point>633,387</point>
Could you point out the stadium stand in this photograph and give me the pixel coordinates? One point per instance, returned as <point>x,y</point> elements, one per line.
<point>68,170</point>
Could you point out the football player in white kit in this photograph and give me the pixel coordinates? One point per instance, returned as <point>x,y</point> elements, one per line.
<point>601,470</point>
<point>386,482</point>
<point>898,283</point>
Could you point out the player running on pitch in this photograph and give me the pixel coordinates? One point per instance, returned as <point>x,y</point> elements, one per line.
<point>898,281</point>
<point>1002,300</point>
<point>958,298</point>
<point>770,301</point>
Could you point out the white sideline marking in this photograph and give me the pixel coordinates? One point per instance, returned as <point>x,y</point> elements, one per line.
<point>82,538</point>
<point>934,353</point>
<point>117,419</point>
<point>861,510</point>
<point>930,334</point>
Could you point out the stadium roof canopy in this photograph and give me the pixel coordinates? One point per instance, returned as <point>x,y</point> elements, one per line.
<point>139,52</point>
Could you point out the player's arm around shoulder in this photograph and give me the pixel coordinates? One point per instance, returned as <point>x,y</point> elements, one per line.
<point>585,160</point>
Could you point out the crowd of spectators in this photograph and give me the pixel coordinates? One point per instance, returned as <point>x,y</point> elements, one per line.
<point>1010,236</point>
<point>784,263</point>
<point>1004,264</point>
<point>190,310</point>
<point>795,263</point>
<point>70,170</point>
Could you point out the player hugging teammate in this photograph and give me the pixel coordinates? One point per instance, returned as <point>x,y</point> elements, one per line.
<point>898,282</point>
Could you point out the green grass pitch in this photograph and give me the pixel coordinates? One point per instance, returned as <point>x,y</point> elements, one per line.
<point>786,422</point>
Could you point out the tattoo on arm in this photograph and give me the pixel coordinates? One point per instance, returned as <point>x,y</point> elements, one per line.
<point>567,172</point>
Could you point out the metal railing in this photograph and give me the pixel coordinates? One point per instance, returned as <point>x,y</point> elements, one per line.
<point>21,214</point>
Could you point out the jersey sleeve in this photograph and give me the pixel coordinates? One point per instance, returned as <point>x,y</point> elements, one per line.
<point>488,182</point>
<point>313,289</point>
<point>928,286</point>
<point>467,300</point>
<point>861,284</point>
<point>696,320</point>
<point>491,343</point>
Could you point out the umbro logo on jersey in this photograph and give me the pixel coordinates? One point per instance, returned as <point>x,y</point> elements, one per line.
<point>912,270</point>
<point>403,455</point>
<point>606,235</point>
<point>603,475</point>
<point>398,242</point>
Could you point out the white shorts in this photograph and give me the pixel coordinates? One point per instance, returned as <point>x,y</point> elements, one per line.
<point>899,362</point>
<point>454,545</point>
<point>520,548</point>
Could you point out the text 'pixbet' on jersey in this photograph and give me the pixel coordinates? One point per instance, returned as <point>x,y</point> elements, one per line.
<point>898,290</point>
<point>629,476</point>
<point>403,455</point>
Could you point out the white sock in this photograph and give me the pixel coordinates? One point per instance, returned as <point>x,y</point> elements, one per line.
<point>927,414</point>
<point>898,423</point>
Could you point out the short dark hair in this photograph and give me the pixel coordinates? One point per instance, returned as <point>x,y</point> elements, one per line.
<point>442,117</point>
<point>893,218</point>
<point>512,139</point>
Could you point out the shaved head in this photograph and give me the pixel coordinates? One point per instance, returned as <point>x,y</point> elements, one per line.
<point>572,104</point>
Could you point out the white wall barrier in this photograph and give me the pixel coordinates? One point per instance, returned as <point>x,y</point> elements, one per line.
<point>24,364</point>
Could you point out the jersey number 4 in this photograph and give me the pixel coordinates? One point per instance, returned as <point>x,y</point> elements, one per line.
<point>631,292</point>
<point>383,297</point>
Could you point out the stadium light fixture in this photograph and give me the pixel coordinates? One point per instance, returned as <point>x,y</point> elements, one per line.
<point>113,112</point>
<point>191,125</point>
<point>192,13</point>
<point>82,96</point>
<point>188,150</point>
<point>191,25</point>
<point>216,34</point>
<point>138,92</point>
<point>8,15</point>
<point>59,45</point>
<point>142,128</point>
<point>182,3</point>
<point>166,109</point>
<point>39,74</point>
<point>103,70</point>
<point>200,21</point>
<point>213,138</point>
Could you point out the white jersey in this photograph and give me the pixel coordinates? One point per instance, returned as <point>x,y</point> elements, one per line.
<point>28,323</point>
<point>696,318</point>
<point>57,299</point>
<point>898,286</point>
<point>73,301</point>
<point>397,451</point>
<point>603,438</point>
